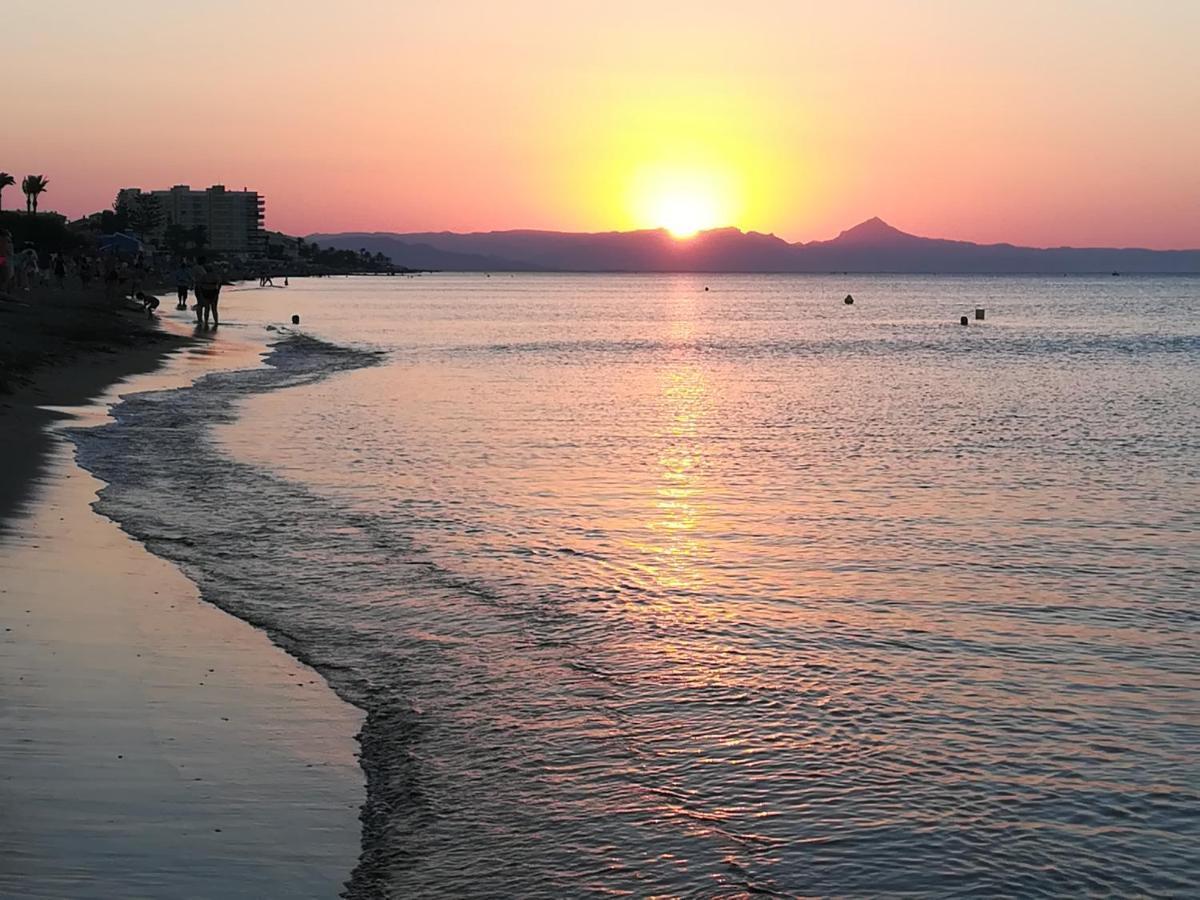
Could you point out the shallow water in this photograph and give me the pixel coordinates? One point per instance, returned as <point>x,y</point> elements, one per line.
<point>654,590</point>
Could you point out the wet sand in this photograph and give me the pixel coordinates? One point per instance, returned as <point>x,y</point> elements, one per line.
<point>150,744</point>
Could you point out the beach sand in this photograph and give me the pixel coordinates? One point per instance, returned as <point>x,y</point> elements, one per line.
<point>62,348</point>
<point>150,744</point>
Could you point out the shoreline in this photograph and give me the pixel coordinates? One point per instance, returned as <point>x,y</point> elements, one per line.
<point>153,743</point>
<point>63,349</point>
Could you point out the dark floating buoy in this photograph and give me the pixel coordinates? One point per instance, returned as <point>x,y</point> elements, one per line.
<point>706,287</point>
<point>979,315</point>
<point>849,301</point>
<point>1116,275</point>
<point>295,320</point>
<point>962,320</point>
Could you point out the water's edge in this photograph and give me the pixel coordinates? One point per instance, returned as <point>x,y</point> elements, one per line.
<point>292,361</point>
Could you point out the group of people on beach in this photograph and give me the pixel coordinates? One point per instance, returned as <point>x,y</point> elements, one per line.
<point>25,269</point>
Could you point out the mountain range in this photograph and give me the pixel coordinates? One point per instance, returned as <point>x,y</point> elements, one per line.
<point>872,246</point>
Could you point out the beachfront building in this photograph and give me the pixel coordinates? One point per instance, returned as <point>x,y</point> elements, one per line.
<point>232,220</point>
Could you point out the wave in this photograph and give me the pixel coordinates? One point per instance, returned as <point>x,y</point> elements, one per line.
<point>251,541</point>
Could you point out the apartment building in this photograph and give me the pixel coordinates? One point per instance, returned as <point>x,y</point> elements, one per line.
<point>233,220</point>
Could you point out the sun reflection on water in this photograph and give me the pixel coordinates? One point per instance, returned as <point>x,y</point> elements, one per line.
<point>675,548</point>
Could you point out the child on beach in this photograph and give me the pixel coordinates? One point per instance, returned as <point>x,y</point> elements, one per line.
<point>149,303</point>
<point>183,281</point>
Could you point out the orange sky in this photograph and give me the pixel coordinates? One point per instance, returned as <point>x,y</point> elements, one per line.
<point>1045,123</point>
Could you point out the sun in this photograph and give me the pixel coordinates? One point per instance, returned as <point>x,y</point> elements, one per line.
<point>683,200</point>
<point>683,156</point>
<point>685,212</point>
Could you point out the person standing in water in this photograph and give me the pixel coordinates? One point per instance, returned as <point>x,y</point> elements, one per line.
<point>199,279</point>
<point>214,295</point>
<point>183,281</point>
<point>207,279</point>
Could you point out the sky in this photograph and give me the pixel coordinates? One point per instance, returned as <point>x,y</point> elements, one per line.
<point>1071,122</point>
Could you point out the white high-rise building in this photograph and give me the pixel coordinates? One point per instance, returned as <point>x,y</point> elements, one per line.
<point>232,220</point>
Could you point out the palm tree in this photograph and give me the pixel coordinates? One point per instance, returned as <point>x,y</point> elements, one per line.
<point>6,180</point>
<point>33,185</point>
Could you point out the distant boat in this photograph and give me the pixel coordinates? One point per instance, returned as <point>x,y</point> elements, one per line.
<point>1116,274</point>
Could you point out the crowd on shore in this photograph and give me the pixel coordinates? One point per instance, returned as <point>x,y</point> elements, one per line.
<point>123,277</point>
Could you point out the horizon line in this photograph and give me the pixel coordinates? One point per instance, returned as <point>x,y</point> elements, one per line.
<point>662,230</point>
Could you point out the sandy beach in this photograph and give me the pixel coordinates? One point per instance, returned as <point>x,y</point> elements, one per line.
<point>150,744</point>
<point>62,348</point>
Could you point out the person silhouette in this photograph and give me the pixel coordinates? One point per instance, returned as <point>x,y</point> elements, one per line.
<point>183,281</point>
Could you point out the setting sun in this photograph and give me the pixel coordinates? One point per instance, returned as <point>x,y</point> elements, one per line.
<point>685,157</point>
<point>684,211</point>
<point>683,201</point>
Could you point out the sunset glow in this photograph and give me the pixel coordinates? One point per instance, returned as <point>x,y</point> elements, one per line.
<point>646,448</point>
<point>1053,129</point>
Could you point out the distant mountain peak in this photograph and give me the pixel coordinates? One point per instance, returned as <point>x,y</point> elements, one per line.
<point>872,231</point>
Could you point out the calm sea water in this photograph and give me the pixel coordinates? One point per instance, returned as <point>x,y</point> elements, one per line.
<point>653,590</point>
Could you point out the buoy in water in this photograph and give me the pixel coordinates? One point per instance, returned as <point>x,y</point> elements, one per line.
<point>295,320</point>
<point>849,301</point>
<point>962,320</point>
<point>979,315</point>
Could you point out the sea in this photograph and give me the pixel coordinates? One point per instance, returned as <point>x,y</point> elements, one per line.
<point>715,585</point>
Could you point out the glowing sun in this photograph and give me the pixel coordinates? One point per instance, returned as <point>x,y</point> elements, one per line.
<point>682,201</point>
<point>683,213</point>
